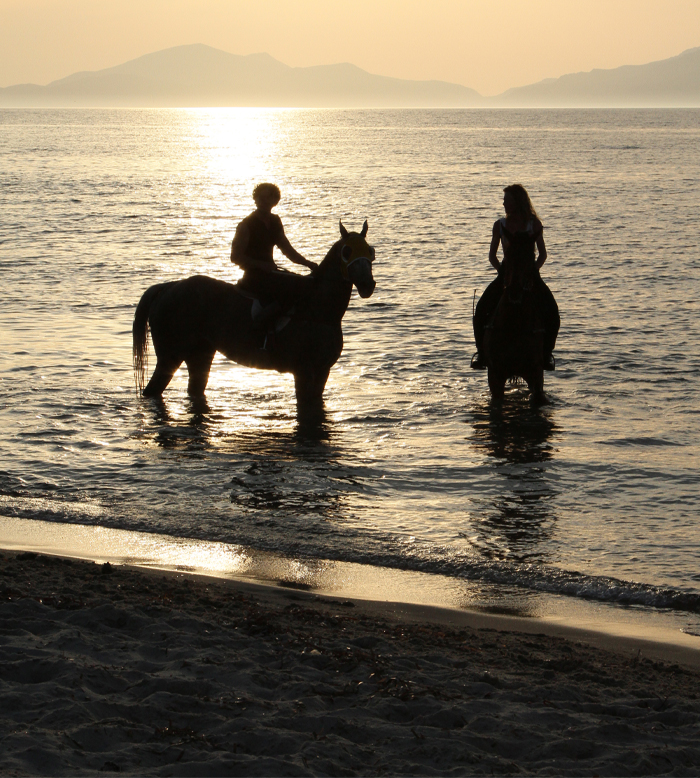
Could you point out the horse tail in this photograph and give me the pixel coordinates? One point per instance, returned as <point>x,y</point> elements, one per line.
<point>140,333</point>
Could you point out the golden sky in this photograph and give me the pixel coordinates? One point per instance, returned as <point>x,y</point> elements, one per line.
<point>484,44</point>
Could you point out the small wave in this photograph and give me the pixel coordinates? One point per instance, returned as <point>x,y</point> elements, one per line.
<point>555,581</point>
<point>641,441</point>
<point>599,588</point>
<point>15,504</point>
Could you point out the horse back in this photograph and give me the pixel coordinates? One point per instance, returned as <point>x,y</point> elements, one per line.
<point>197,309</point>
<point>513,338</point>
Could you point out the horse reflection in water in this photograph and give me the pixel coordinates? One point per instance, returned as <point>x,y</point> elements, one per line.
<point>289,478</point>
<point>517,520</point>
<point>191,320</point>
<point>293,469</point>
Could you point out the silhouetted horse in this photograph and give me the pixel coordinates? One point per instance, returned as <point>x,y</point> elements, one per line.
<point>191,320</point>
<point>513,337</point>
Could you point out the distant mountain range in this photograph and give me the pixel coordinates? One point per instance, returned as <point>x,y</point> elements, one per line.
<point>673,82</point>
<point>198,75</point>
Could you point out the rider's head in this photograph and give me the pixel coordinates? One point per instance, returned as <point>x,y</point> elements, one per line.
<point>266,193</point>
<point>516,196</point>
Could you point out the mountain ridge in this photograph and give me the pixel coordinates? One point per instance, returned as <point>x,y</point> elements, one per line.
<point>197,75</point>
<point>671,82</point>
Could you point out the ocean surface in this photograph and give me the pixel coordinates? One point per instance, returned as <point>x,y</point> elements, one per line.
<point>593,497</point>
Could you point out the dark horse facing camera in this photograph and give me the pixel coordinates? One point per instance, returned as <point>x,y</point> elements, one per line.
<point>514,335</point>
<point>192,319</point>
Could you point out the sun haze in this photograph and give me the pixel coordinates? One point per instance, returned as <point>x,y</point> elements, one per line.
<point>477,43</point>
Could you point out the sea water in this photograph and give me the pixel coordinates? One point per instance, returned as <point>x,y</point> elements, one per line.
<point>412,466</point>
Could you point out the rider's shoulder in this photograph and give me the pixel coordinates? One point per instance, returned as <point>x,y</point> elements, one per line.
<point>537,226</point>
<point>242,225</point>
<point>247,220</point>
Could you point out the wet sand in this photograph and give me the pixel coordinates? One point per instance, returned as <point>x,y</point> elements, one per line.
<point>113,669</point>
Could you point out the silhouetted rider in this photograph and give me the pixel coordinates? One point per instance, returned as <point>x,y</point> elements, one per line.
<point>252,247</point>
<point>519,232</point>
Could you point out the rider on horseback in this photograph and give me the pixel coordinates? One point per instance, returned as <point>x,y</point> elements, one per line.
<point>518,232</point>
<point>252,247</point>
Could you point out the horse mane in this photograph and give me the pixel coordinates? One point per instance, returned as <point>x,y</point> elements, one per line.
<point>519,271</point>
<point>327,261</point>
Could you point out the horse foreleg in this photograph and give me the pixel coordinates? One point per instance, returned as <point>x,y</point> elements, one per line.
<point>162,376</point>
<point>309,386</point>
<point>198,367</point>
<point>497,384</point>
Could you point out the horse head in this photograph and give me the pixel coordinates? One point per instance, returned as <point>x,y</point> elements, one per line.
<point>354,257</point>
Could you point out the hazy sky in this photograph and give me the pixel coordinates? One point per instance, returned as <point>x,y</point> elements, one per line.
<point>484,44</point>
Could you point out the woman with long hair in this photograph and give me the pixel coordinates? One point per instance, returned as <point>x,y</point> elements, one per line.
<point>518,232</point>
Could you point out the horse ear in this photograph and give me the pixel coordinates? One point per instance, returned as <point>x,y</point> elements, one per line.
<point>343,231</point>
<point>363,234</point>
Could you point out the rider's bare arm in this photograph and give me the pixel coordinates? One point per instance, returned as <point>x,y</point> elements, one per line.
<point>541,248</point>
<point>495,240</point>
<point>239,254</point>
<point>292,254</point>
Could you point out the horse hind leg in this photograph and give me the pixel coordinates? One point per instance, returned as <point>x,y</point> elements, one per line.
<point>162,376</point>
<point>198,367</point>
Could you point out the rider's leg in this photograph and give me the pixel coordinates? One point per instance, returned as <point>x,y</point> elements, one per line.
<point>550,319</point>
<point>484,308</point>
<point>280,290</point>
<point>267,314</point>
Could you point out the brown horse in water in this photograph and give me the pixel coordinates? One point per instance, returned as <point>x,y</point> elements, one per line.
<point>191,320</point>
<point>514,335</point>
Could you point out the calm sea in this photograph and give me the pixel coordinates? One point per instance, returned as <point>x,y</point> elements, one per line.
<point>594,496</point>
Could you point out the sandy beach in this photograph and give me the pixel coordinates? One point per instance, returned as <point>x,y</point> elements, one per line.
<point>112,669</point>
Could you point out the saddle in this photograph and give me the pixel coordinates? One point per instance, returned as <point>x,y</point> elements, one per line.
<point>271,314</point>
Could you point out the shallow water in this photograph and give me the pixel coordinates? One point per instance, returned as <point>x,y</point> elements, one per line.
<point>412,466</point>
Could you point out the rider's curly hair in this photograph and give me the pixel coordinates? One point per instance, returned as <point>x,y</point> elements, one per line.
<point>522,200</point>
<point>267,190</point>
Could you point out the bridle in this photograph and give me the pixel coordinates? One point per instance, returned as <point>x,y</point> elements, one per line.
<point>354,248</point>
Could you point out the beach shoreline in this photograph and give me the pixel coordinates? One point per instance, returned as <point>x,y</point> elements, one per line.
<point>108,668</point>
<point>428,595</point>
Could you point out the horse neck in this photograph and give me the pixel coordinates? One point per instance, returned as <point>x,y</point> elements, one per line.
<point>517,307</point>
<point>331,293</point>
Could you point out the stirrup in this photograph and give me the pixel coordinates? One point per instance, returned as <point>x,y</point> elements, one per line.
<point>477,362</point>
<point>270,341</point>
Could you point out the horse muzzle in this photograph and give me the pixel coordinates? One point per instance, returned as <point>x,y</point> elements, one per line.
<point>365,289</point>
<point>360,273</point>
